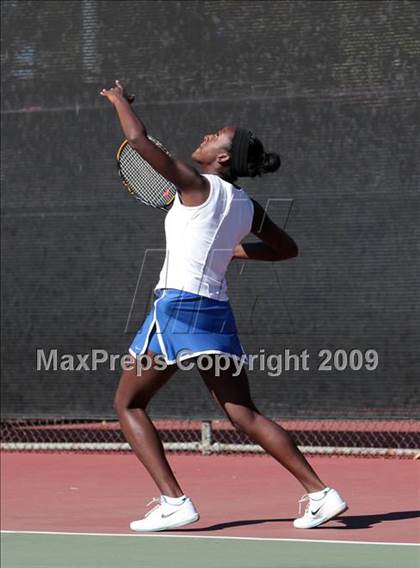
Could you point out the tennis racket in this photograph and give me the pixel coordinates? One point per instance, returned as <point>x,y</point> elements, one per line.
<point>142,181</point>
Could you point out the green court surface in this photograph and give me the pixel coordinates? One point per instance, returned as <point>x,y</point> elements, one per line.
<point>31,550</point>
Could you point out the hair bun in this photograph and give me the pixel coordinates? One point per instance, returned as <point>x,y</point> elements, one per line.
<point>270,162</point>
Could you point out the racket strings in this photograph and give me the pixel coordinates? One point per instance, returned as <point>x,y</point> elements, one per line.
<point>144,182</point>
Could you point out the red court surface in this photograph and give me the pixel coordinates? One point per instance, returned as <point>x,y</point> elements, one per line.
<point>236,495</point>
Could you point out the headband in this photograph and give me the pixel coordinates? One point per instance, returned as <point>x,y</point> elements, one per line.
<point>239,152</point>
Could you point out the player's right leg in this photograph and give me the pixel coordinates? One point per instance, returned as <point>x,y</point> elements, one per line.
<point>135,390</point>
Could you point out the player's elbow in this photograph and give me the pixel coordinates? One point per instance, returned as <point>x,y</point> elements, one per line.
<point>286,246</point>
<point>137,141</point>
<point>294,250</point>
<point>289,251</point>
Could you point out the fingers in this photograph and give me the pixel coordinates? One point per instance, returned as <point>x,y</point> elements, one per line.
<point>111,91</point>
<point>118,90</point>
<point>119,87</point>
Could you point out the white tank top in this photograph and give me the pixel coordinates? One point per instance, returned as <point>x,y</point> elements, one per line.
<point>200,240</point>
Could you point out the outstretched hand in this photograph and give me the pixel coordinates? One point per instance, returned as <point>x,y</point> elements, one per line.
<point>117,93</point>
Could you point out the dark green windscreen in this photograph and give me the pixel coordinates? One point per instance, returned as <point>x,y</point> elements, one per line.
<point>332,86</point>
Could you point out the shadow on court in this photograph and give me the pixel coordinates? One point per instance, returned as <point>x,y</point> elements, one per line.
<point>348,522</point>
<point>367,521</point>
<point>232,524</point>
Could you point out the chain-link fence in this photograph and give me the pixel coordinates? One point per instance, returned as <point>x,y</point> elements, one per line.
<point>329,437</point>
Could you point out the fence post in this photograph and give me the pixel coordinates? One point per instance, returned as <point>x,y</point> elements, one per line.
<point>206,437</point>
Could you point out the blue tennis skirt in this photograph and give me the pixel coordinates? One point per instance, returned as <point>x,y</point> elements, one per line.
<point>182,325</point>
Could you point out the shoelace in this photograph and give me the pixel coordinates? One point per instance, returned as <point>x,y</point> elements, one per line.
<point>154,500</point>
<point>308,499</point>
<point>303,499</point>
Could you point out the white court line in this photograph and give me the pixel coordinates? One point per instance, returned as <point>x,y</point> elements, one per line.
<point>160,535</point>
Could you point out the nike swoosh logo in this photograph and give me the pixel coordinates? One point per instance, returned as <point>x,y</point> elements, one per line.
<point>315,512</point>
<point>168,515</point>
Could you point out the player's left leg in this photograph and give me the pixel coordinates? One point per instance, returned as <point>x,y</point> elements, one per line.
<point>233,394</point>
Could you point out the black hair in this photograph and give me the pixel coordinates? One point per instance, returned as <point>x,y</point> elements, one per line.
<point>261,162</point>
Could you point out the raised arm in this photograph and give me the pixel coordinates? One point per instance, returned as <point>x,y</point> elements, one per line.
<point>276,244</point>
<point>186,178</point>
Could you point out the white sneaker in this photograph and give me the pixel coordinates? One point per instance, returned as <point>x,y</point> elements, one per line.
<point>321,509</point>
<point>165,516</point>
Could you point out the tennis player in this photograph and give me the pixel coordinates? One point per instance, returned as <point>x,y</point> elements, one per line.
<point>191,315</point>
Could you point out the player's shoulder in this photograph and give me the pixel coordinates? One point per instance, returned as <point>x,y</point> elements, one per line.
<point>223,189</point>
<point>240,192</point>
